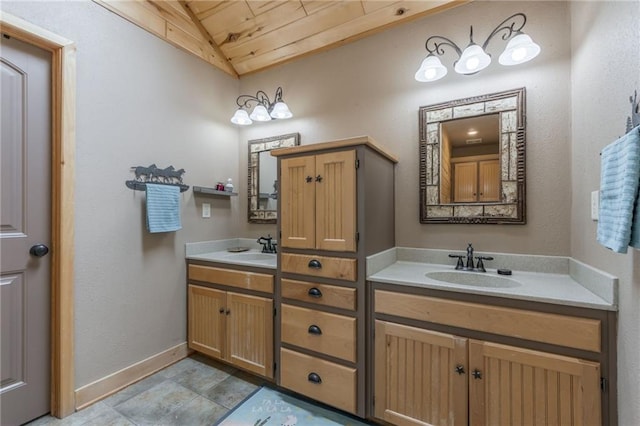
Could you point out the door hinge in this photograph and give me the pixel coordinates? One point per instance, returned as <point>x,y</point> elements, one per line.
<point>357,237</point>
<point>275,312</point>
<point>603,384</point>
<point>357,163</point>
<point>275,366</point>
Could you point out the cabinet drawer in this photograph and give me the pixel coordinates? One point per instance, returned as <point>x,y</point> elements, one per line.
<point>320,294</point>
<point>319,266</point>
<point>562,330</point>
<point>232,278</point>
<point>322,380</point>
<point>330,334</point>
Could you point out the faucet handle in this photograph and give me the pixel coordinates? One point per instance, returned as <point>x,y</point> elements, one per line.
<point>459,264</point>
<point>480,264</point>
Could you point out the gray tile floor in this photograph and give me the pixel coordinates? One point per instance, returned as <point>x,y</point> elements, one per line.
<point>193,391</point>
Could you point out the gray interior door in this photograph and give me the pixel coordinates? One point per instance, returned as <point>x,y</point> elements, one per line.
<point>25,186</point>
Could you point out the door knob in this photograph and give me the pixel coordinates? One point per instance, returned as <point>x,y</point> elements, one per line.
<point>459,369</point>
<point>39,250</point>
<point>477,374</point>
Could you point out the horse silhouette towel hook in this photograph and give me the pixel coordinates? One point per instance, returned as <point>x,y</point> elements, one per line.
<point>154,174</point>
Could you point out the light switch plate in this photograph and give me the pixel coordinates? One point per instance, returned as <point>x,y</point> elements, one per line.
<point>206,210</point>
<point>595,204</point>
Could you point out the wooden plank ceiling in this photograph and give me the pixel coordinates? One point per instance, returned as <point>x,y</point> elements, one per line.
<point>246,36</point>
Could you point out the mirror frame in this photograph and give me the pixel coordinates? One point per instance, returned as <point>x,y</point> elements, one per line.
<point>511,208</point>
<point>257,146</point>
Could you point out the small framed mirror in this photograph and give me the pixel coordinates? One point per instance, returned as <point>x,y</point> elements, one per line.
<point>263,178</point>
<point>472,160</point>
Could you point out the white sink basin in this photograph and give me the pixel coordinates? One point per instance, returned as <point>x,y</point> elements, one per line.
<point>473,279</point>
<point>251,257</point>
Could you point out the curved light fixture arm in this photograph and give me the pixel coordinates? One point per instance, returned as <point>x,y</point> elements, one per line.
<point>437,46</point>
<point>509,26</point>
<point>244,101</point>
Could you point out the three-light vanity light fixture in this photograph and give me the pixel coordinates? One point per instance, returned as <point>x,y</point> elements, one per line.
<point>474,58</point>
<point>264,109</point>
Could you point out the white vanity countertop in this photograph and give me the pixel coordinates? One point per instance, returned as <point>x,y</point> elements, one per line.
<point>557,287</point>
<point>218,251</point>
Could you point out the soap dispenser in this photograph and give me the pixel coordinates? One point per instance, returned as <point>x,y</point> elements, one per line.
<point>229,186</point>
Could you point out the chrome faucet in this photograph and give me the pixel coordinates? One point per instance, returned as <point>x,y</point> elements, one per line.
<point>267,245</point>
<point>469,266</point>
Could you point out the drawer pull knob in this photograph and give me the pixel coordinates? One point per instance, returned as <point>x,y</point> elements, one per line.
<point>314,292</point>
<point>314,329</point>
<point>459,369</point>
<point>314,378</point>
<point>221,310</point>
<point>315,264</point>
<point>477,374</point>
<point>228,311</point>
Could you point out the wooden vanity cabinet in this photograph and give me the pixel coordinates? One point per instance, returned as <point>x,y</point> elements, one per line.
<point>226,321</point>
<point>335,207</point>
<point>498,369</point>
<point>318,201</point>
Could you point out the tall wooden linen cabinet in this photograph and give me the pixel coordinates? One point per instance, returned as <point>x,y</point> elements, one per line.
<point>335,208</point>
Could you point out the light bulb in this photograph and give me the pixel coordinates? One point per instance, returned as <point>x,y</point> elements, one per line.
<point>281,111</point>
<point>241,118</point>
<point>260,114</point>
<point>472,60</point>
<point>518,54</point>
<point>520,49</point>
<point>472,63</point>
<point>431,69</point>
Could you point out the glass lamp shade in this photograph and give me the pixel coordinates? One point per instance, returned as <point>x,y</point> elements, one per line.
<point>281,111</point>
<point>431,69</point>
<point>472,60</point>
<point>519,49</point>
<point>260,113</point>
<point>241,118</point>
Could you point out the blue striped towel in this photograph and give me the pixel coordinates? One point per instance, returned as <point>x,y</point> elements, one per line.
<point>163,208</point>
<point>619,184</point>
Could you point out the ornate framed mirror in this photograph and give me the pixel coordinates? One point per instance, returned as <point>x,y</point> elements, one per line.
<point>263,180</point>
<point>472,160</point>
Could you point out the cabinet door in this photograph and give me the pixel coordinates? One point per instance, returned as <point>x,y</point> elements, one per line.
<point>336,201</point>
<point>250,333</point>
<point>416,381</point>
<point>520,386</point>
<point>465,179</point>
<point>297,202</point>
<point>489,180</point>
<point>207,320</point>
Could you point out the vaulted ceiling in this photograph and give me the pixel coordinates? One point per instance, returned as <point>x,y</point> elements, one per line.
<point>246,36</point>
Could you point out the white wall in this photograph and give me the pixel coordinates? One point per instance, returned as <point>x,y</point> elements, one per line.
<point>367,87</point>
<point>139,101</point>
<point>605,72</point>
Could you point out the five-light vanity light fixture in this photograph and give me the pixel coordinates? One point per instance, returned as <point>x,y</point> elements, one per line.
<point>264,109</point>
<point>474,58</point>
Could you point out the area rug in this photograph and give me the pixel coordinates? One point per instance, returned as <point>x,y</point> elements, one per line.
<point>268,407</point>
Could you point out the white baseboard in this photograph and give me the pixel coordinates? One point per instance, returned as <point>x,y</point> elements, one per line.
<point>101,388</point>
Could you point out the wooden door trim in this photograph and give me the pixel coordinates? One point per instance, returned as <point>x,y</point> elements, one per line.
<point>63,110</point>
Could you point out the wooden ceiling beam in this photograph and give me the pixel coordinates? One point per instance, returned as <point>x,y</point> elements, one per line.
<point>230,68</point>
